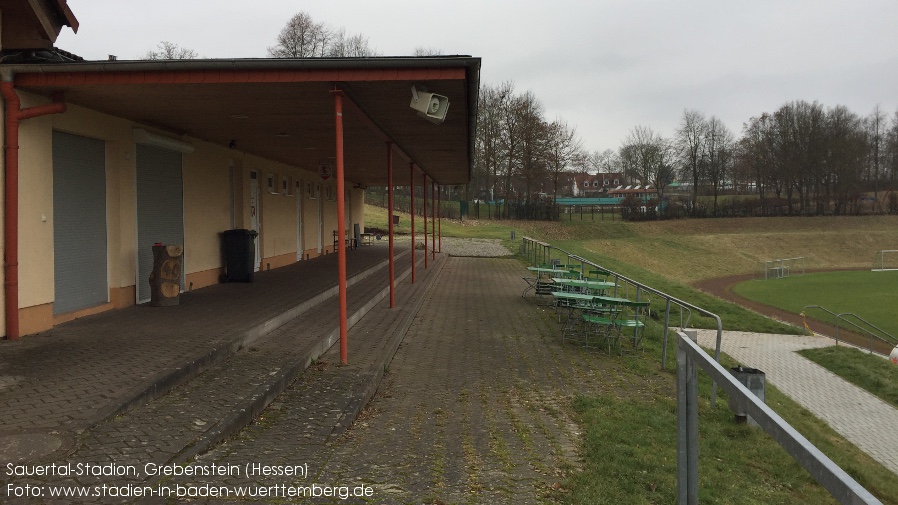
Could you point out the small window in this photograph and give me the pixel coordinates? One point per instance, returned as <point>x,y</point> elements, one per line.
<point>586,184</point>
<point>605,182</point>
<point>272,188</point>
<point>286,187</point>
<point>310,191</point>
<point>595,184</point>
<point>617,182</point>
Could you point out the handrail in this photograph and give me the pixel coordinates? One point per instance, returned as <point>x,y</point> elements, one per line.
<point>835,480</point>
<point>639,287</point>
<point>891,340</point>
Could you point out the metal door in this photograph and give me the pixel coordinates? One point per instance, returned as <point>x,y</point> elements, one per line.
<point>160,209</point>
<point>79,223</point>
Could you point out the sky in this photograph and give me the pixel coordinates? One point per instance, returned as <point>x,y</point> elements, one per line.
<point>602,66</point>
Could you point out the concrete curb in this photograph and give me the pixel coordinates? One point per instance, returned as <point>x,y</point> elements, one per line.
<point>265,393</point>
<point>370,381</point>
<point>165,381</point>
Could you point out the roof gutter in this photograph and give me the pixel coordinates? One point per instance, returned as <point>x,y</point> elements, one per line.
<point>14,114</point>
<point>250,64</point>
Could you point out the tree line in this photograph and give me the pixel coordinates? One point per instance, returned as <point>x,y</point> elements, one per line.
<point>802,158</point>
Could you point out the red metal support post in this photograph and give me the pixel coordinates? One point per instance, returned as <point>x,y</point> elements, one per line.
<point>341,226</point>
<point>390,206</point>
<point>411,179</point>
<point>424,186</point>
<point>433,220</point>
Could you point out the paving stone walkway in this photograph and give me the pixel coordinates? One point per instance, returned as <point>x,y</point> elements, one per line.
<point>473,408</point>
<point>863,419</point>
<point>82,372</point>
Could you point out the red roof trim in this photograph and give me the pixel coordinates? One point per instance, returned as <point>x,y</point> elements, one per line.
<point>227,76</point>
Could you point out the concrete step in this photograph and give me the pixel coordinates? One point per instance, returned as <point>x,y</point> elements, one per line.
<point>226,397</point>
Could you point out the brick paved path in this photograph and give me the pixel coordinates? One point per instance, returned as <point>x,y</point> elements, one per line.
<point>863,419</point>
<point>81,372</point>
<point>223,398</point>
<point>474,408</point>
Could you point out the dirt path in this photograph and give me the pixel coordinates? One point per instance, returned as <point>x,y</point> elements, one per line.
<point>722,287</point>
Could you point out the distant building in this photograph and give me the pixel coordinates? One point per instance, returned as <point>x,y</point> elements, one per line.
<point>596,184</point>
<point>645,192</point>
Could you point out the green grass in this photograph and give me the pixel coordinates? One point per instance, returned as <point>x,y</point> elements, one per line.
<point>869,372</point>
<point>630,445</point>
<point>870,295</point>
<point>629,448</point>
<point>732,316</point>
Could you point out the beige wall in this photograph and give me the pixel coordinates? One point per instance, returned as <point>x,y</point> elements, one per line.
<point>207,206</point>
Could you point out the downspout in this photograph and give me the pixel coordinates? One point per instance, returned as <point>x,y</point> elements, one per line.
<point>14,114</point>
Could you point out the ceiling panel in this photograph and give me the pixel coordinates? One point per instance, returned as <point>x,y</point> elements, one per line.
<point>293,122</point>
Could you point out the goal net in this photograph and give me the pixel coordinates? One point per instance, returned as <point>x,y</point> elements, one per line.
<point>781,268</point>
<point>887,259</point>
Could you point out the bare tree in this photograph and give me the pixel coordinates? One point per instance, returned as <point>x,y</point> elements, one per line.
<point>845,159</point>
<point>352,46</point>
<point>563,151</point>
<point>301,37</point>
<point>169,51</point>
<point>719,144</point>
<point>489,156</point>
<point>607,161</point>
<point>690,145</point>
<point>427,51</point>
<point>877,127</point>
<point>648,157</point>
<point>757,154</point>
<point>892,153</point>
<point>532,131</point>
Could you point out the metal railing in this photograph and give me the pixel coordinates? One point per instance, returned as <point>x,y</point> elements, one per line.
<point>534,250</point>
<point>835,480</point>
<point>872,331</point>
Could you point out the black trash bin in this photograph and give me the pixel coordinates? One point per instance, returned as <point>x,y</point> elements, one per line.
<point>240,254</point>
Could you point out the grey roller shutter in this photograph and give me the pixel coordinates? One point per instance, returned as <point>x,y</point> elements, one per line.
<point>79,223</point>
<point>160,208</point>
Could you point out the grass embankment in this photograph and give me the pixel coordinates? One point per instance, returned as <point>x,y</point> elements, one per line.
<point>869,372</point>
<point>689,250</point>
<point>630,444</point>
<point>629,452</point>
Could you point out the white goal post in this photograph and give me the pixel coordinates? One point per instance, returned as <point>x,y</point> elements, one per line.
<point>885,260</point>
<point>785,267</point>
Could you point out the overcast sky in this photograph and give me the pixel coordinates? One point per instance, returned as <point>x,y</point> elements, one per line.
<point>603,66</point>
